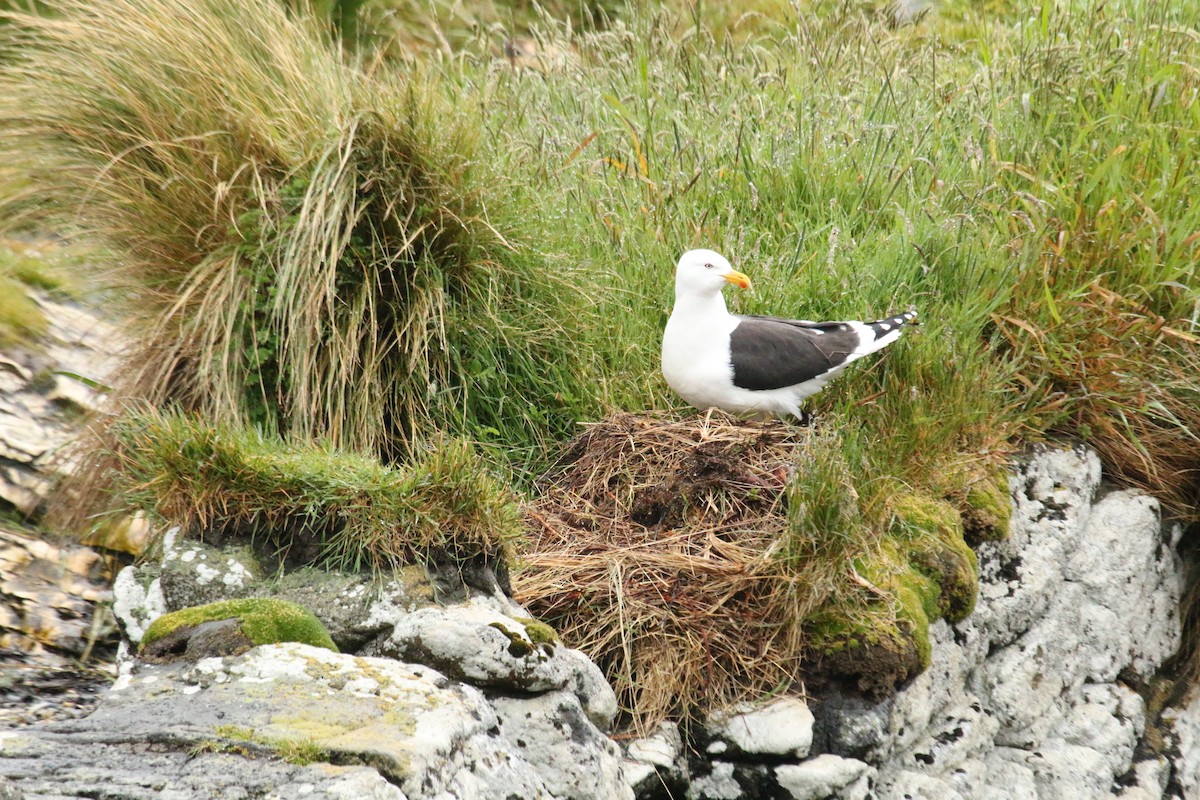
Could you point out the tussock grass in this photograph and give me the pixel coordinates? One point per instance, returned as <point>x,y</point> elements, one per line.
<point>307,248</point>
<point>313,505</point>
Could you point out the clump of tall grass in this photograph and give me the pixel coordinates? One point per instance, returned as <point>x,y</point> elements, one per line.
<point>311,504</point>
<point>316,251</point>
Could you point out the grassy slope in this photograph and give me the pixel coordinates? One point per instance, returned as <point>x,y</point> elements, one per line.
<point>1020,179</point>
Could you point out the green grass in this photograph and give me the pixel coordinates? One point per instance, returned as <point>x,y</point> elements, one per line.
<point>300,752</point>
<point>312,504</point>
<point>433,246</point>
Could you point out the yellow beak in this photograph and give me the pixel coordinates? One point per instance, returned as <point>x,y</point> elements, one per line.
<point>738,279</point>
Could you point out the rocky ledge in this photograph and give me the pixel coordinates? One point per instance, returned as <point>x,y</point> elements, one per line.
<point>1049,690</point>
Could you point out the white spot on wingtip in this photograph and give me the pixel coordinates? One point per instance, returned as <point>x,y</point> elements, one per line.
<point>885,326</point>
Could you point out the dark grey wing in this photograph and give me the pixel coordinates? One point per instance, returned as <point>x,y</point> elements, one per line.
<point>771,353</point>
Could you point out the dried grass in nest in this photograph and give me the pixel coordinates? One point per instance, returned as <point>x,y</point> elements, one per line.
<point>654,548</point>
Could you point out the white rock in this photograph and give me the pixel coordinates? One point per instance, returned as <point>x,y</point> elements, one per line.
<point>1109,719</point>
<point>719,784</point>
<point>909,785</point>
<point>1070,772</point>
<point>572,757</point>
<point>354,783</point>
<point>824,776</point>
<point>661,749</point>
<point>1184,723</point>
<point>1150,780</point>
<point>1008,777</point>
<point>783,727</point>
<point>23,488</point>
<point>1023,700</point>
<point>72,392</point>
<point>134,605</point>
<point>953,738</point>
<point>474,643</point>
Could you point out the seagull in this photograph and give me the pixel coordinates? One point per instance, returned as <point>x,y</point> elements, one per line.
<point>753,364</point>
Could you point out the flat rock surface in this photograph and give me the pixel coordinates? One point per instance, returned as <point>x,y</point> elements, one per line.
<point>291,720</point>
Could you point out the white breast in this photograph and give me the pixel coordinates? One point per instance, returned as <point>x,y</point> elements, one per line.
<point>695,358</point>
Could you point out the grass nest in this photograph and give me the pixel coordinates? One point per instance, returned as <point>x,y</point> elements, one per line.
<point>663,549</point>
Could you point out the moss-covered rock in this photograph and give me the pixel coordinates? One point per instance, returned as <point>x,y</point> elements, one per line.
<point>986,510</point>
<point>314,505</point>
<point>230,627</point>
<point>871,645</point>
<point>916,517</point>
<point>922,572</point>
<point>538,631</point>
<point>531,636</point>
<point>954,568</point>
<point>932,533</point>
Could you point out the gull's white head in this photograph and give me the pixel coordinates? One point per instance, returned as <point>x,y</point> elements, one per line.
<point>705,272</point>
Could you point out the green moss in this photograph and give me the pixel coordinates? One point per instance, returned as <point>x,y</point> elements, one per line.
<point>537,631</point>
<point>915,516</point>
<point>957,569</point>
<point>916,597</point>
<point>879,645</point>
<point>535,634</point>
<point>38,271</point>
<point>829,633</point>
<point>206,746</point>
<point>932,531</point>
<point>987,510</point>
<point>20,318</point>
<point>923,573</point>
<point>317,504</point>
<point>263,621</point>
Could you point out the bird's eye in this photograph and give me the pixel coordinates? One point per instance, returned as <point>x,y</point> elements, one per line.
<point>708,266</point>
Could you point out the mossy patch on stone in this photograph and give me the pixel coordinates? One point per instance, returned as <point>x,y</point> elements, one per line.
<point>870,645</point>
<point>536,635</point>
<point>932,533</point>
<point>986,510</point>
<point>260,621</point>
<point>953,567</point>
<point>922,572</point>
<point>21,319</point>
<point>537,631</point>
<point>915,516</point>
<point>300,752</point>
